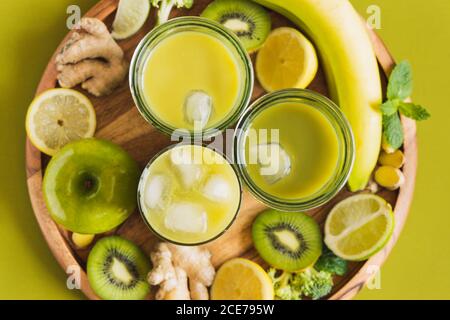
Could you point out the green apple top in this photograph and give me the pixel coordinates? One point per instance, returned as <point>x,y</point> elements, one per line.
<point>90,186</point>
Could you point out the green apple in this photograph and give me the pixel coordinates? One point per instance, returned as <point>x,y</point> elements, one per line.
<point>90,186</point>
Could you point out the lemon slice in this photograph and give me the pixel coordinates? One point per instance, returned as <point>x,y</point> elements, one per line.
<point>359,226</point>
<point>130,17</point>
<point>286,60</point>
<point>242,279</point>
<point>57,117</point>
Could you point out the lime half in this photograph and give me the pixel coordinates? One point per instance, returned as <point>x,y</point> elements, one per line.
<point>57,117</point>
<point>130,17</point>
<point>359,226</point>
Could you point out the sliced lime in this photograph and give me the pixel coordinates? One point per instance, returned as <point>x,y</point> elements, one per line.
<point>359,226</point>
<point>130,17</point>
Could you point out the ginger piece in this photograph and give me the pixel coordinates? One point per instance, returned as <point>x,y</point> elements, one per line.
<point>198,290</point>
<point>395,159</point>
<point>163,273</point>
<point>389,177</point>
<point>181,292</point>
<point>387,147</point>
<point>91,57</point>
<point>372,186</point>
<point>195,262</point>
<point>82,241</point>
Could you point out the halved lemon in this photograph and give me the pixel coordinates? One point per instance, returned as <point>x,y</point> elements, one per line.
<point>57,117</point>
<point>242,279</point>
<point>359,226</point>
<point>286,60</point>
<point>130,17</point>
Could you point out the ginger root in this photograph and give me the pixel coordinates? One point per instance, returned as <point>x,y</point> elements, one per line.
<point>372,186</point>
<point>91,57</point>
<point>181,292</point>
<point>182,273</point>
<point>389,177</point>
<point>395,159</point>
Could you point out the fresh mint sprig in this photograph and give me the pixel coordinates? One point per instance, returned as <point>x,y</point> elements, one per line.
<point>413,111</point>
<point>400,82</point>
<point>409,110</point>
<point>400,87</point>
<point>393,130</point>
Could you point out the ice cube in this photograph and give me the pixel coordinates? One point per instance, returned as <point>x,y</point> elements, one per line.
<point>183,160</point>
<point>157,192</point>
<point>198,107</point>
<point>217,189</point>
<point>274,161</point>
<point>186,217</point>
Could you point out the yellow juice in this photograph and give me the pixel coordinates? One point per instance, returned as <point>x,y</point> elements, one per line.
<point>189,194</point>
<point>186,62</point>
<point>309,140</point>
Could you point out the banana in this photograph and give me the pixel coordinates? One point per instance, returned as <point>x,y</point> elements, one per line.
<point>352,71</point>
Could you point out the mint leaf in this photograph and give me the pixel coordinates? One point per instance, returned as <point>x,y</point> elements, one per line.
<point>393,130</point>
<point>390,107</point>
<point>400,82</point>
<point>414,111</point>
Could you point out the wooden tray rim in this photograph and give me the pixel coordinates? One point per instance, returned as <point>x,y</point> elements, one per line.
<point>63,253</point>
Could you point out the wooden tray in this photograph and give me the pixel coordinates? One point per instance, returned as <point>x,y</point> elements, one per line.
<point>119,121</point>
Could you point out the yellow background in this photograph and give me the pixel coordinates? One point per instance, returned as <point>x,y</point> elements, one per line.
<point>419,266</point>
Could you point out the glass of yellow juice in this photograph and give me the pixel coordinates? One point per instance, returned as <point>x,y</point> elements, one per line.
<point>191,74</point>
<point>189,194</point>
<point>294,149</point>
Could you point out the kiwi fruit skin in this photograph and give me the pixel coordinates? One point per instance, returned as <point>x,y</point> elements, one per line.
<point>300,226</point>
<point>256,18</point>
<point>100,276</point>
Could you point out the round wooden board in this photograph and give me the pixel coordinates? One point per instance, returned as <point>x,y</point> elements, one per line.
<point>119,121</point>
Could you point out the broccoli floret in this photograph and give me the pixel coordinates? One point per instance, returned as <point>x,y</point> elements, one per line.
<point>287,293</point>
<point>331,263</point>
<point>309,283</point>
<point>282,287</point>
<point>312,283</point>
<point>166,6</point>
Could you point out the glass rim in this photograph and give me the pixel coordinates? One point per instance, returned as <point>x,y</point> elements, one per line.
<point>141,185</point>
<point>159,33</point>
<point>345,139</point>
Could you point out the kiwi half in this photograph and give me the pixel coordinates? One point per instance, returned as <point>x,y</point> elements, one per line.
<point>248,20</point>
<point>117,270</point>
<point>289,241</point>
